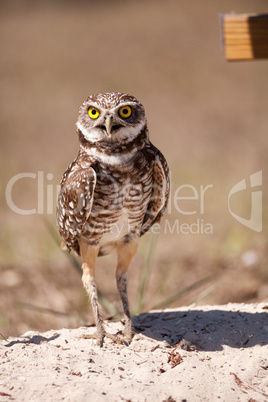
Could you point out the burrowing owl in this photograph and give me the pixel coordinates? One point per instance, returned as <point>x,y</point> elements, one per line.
<point>114,191</point>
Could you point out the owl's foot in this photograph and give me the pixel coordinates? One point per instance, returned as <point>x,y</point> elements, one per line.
<point>98,336</point>
<point>120,338</point>
<point>123,337</point>
<point>128,331</point>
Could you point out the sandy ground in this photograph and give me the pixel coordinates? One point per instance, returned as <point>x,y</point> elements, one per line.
<point>206,353</point>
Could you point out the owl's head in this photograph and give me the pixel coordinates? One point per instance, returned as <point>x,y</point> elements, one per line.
<point>110,118</point>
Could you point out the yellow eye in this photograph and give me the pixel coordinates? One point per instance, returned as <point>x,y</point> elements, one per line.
<point>125,112</point>
<point>93,113</point>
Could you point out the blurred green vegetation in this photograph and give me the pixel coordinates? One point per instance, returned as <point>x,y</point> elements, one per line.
<point>209,117</point>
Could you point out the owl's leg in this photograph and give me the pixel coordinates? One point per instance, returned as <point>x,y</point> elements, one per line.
<point>89,254</point>
<point>125,253</point>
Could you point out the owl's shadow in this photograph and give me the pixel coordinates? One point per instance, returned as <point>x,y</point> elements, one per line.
<point>204,330</point>
<point>35,339</point>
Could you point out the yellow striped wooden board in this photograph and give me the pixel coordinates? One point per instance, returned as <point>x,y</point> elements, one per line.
<point>245,36</point>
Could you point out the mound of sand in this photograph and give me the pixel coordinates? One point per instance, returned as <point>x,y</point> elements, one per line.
<point>206,353</point>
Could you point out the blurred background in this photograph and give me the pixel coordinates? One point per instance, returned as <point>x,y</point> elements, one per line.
<point>209,118</point>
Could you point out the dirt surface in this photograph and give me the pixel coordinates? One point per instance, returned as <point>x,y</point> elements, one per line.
<point>205,353</point>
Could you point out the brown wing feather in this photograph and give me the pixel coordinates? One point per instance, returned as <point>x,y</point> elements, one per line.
<point>74,204</point>
<point>160,193</point>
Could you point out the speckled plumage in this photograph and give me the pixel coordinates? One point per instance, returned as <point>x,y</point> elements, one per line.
<point>114,191</point>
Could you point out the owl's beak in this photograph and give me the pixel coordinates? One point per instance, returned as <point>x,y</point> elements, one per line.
<point>108,125</point>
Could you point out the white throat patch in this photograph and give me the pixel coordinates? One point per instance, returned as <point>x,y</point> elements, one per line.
<point>93,135</point>
<point>123,134</point>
